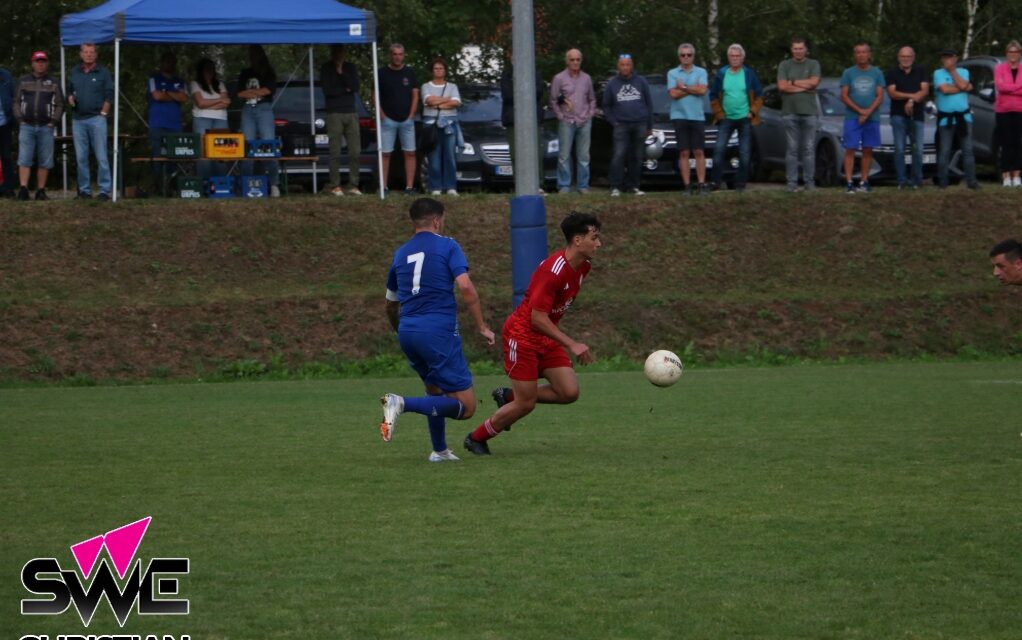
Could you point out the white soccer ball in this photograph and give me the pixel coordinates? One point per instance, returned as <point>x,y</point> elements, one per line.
<point>663,368</point>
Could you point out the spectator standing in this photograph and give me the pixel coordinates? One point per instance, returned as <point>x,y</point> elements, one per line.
<point>256,86</point>
<point>907,85</point>
<point>862,91</point>
<point>507,113</point>
<point>339,79</point>
<point>797,79</point>
<point>628,107</point>
<point>6,131</point>
<point>210,98</point>
<point>735,97</point>
<point>38,105</point>
<point>574,102</point>
<point>91,94</point>
<point>1008,112</point>
<point>440,100</point>
<point>398,103</point>
<point>167,92</point>
<point>688,85</point>
<point>954,120</point>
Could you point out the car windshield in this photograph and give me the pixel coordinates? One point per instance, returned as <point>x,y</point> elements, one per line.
<point>480,104</point>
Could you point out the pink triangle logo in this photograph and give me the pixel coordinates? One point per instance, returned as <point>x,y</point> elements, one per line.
<point>121,543</point>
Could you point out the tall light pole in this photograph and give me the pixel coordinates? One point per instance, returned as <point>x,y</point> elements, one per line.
<point>523,44</point>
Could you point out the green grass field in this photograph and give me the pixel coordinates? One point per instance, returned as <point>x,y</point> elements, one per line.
<point>857,501</point>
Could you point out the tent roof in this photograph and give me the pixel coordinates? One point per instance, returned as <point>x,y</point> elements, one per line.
<point>223,22</point>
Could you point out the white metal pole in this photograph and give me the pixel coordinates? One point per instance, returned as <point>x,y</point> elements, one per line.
<point>379,145</point>
<point>117,114</point>
<point>63,116</point>
<point>528,175</point>
<point>312,121</point>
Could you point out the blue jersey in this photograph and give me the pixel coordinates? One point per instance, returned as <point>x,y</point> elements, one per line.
<point>421,278</point>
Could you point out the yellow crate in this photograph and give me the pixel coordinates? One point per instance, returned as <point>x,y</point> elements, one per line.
<point>223,145</point>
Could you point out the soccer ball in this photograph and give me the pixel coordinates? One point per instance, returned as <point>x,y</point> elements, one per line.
<point>663,368</point>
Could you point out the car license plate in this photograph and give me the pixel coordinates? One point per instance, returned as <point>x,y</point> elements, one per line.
<point>692,163</point>
<point>505,170</point>
<point>322,138</point>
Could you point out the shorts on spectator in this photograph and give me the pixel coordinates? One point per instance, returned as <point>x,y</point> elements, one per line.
<point>391,130</point>
<point>867,135</point>
<point>35,140</point>
<point>690,134</point>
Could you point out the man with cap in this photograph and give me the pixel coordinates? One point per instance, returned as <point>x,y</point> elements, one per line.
<point>38,105</point>
<point>951,88</point>
<point>6,128</point>
<point>91,95</point>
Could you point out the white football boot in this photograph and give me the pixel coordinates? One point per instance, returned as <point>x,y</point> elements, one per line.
<point>393,405</point>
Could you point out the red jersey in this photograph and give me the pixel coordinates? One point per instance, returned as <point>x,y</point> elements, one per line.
<point>552,289</point>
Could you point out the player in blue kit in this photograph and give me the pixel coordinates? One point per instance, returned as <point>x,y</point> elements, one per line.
<point>422,309</point>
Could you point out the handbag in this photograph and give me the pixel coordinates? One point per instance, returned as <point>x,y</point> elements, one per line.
<point>429,135</point>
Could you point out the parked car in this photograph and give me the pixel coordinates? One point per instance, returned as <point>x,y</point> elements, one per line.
<point>486,159</point>
<point>981,101</point>
<point>291,117</point>
<point>771,145</point>
<point>665,170</point>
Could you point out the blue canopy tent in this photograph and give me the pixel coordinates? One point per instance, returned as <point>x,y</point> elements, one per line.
<point>227,22</point>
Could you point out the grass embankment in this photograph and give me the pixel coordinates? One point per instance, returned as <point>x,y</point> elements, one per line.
<point>182,289</point>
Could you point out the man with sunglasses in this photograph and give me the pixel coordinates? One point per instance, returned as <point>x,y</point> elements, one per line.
<point>797,78</point>
<point>574,102</point>
<point>687,84</point>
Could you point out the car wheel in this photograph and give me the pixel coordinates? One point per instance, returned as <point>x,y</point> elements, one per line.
<point>826,165</point>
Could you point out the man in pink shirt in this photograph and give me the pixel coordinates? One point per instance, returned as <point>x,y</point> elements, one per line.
<point>573,100</point>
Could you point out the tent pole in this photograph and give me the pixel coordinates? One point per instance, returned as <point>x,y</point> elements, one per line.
<point>117,114</point>
<point>312,122</point>
<point>63,116</point>
<point>379,142</point>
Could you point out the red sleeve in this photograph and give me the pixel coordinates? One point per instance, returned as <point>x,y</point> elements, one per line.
<point>545,284</point>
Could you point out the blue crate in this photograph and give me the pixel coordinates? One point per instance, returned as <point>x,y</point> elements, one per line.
<point>220,187</point>
<point>262,148</point>
<point>253,186</point>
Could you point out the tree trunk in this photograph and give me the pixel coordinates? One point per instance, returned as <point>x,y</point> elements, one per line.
<point>972,6</point>
<point>712,33</point>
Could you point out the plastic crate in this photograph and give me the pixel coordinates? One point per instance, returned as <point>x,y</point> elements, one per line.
<point>262,148</point>
<point>223,146</point>
<point>189,186</point>
<point>220,187</point>
<point>253,186</point>
<point>298,145</point>
<point>181,145</point>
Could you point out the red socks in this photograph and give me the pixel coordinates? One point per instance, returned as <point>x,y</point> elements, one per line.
<point>484,432</point>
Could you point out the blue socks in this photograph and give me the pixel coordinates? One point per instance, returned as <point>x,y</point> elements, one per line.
<point>441,406</point>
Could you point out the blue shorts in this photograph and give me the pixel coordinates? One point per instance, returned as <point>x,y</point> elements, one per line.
<point>32,140</point>
<point>437,358</point>
<point>865,135</point>
<point>391,129</point>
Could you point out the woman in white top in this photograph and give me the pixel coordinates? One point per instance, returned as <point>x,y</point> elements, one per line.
<point>441,100</point>
<point>210,98</point>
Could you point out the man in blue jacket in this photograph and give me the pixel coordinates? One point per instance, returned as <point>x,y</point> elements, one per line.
<point>628,107</point>
<point>735,97</point>
<point>6,127</point>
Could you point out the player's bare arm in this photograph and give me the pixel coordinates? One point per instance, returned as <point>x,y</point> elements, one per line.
<point>475,309</point>
<point>393,313</point>
<point>542,323</point>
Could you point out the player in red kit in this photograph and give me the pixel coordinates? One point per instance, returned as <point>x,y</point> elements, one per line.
<point>534,345</point>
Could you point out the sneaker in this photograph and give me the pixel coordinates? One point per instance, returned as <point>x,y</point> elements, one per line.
<point>564,191</point>
<point>704,189</point>
<point>638,192</point>
<point>103,197</point>
<point>393,405</point>
<point>792,188</point>
<point>584,191</point>
<point>614,193</point>
<point>502,396</point>
<point>1008,182</point>
<point>1016,181</point>
<point>810,187</point>
<point>541,192</point>
<point>435,192</point>
<point>864,187</point>
<point>337,191</point>
<point>850,189</point>
<point>974,186</point>
<point>478,448</point>
<point>452,192</point>
<point>354,191</point>
<point>443,456</point>
<point>83,196</point>
<point>41,195</point>
<point>23,194</point>
<point>409,191</point>
<point>274,191</point>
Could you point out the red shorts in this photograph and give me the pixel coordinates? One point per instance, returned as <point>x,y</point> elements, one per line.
<point>527,362</point>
